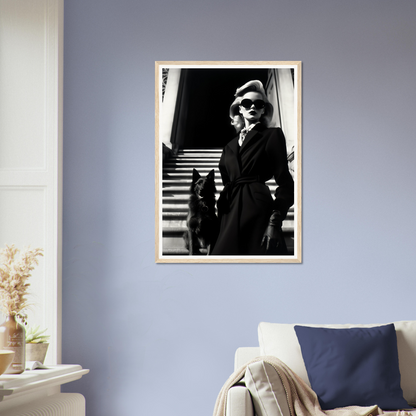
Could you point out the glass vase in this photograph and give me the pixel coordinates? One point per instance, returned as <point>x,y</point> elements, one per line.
<point>12,337</point>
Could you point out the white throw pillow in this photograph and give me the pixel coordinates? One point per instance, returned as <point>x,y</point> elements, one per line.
<point>266,390</point>
<point>280,340</point>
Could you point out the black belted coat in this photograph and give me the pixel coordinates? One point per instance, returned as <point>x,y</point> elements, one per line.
<point>246,203</point>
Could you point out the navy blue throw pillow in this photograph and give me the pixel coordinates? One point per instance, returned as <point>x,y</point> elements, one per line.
<point>355,366</point>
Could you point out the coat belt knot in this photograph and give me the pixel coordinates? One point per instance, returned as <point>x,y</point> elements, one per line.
<point>224,201</point>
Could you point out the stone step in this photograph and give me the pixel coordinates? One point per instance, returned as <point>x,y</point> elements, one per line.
<point>181,215</point>
<point>200,152</point>
<point>183,190</point>
<point>190,165</point>
<point>195,156</point>
<point>179,190</point>
<point>186,174</point>
<point>180,251</point>
<point>176,246</point>
<point>174,170</point>
<point>177,228</point>
<point>175,207</point>
<point>190,159</point>
<point>186,180</point>
<point>173,198</point>
<point>192,156</point>
<point>176,204</point>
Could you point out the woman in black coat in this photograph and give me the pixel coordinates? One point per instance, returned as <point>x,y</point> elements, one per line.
<point>250,218</point>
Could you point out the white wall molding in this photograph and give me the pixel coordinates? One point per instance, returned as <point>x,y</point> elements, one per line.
<point>31,81</point>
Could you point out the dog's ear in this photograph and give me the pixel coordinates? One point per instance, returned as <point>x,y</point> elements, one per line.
<point>211,175</point>
<point>195,175</point>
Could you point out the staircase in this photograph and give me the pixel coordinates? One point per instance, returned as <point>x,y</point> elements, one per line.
<point>177,177</point>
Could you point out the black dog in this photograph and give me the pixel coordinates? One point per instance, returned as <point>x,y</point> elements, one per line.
<point>202,221</point>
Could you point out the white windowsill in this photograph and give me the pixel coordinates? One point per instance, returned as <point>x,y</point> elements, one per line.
<point>35,384</point>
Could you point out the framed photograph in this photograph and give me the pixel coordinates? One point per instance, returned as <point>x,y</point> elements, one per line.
<point>228,162</point>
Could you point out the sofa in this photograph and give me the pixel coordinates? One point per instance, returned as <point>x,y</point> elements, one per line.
<point>385,352</point>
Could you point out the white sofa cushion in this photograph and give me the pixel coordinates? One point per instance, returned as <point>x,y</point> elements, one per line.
<point>280,340</point>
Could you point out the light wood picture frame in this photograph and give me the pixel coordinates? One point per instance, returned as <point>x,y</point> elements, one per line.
<point>193,127</point>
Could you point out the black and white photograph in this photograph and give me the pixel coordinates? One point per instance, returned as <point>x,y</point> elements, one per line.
<point>228,162</point>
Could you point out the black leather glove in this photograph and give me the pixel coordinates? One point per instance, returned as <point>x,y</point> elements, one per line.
<point>273,236</point>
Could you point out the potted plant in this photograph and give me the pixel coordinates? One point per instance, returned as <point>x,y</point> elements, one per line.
<point>36,344</point>
<point>15,271</point>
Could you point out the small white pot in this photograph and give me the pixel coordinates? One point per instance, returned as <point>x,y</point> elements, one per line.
<point>36,352</point>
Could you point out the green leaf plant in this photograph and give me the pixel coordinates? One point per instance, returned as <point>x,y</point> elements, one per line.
<point>35,336</point>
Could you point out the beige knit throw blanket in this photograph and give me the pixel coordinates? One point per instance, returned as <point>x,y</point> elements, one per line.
<point>302,400</point>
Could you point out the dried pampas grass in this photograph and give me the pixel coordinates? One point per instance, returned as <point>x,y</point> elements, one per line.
<point>14,273</point>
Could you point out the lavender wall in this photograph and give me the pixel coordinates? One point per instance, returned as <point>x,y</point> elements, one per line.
<point>159,339</point>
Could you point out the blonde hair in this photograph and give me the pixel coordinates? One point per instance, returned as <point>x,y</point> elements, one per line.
<point>256,86</point>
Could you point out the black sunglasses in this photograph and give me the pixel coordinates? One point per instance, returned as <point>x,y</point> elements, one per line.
<point>246,103</point>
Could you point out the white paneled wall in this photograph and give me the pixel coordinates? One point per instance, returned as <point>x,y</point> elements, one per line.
<point>31,53</point>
